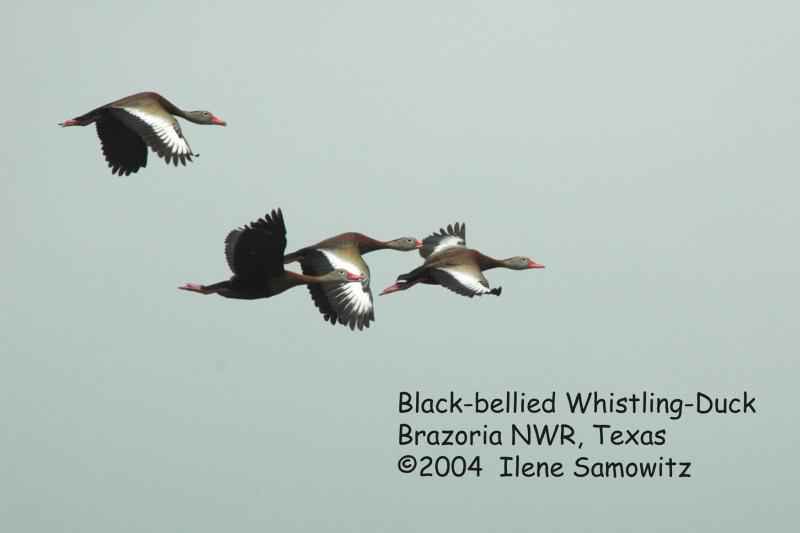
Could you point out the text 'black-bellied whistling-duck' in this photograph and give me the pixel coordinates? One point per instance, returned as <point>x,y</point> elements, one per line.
<point>129,125</point>
<point>346,303</point>
<point>449,263</point>
<point>255,255</point>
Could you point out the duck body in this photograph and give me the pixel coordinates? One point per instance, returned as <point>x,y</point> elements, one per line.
<point>255,256</point>
<point>449,263</point>
<point>126,127</point>
<point>349,304</point>
<point>247,289</point>
<point>459,269</point>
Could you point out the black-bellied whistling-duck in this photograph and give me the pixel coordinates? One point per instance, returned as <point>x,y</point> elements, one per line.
<point>128,126</point>
<point>347,303</point>
<point>255,255</point>
<point>449,263</point>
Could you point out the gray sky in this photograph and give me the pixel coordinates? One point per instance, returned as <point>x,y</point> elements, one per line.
<point>646,153</point>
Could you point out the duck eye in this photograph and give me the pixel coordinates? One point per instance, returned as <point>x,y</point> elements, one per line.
<point>205,113</point>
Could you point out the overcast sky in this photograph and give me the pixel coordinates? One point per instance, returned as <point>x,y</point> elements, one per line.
<point>645,152</point>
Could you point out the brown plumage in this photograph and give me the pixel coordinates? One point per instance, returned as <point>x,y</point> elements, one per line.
<point>449,263</point>
<point>255,255</point>
<point>126,127</point>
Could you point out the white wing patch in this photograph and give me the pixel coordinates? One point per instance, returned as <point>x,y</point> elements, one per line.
<point>338,262</point>
<point>470,283</point>
<point>452,237</point>
<point>355,298</point>
<point>352,299</point>
<point>450,241</point>
<point>167,131</point>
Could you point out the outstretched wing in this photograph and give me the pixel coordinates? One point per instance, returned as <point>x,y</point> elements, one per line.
<point>347,303</point>
<point>464,279</point>
<point>453,236</point>
<point>158,129</point>
<point>255,251</point>
<point>123,149</point>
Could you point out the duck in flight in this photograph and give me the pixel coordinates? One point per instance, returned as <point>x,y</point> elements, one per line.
<point>126,127</point>
<point>349,304</point>
<point>255,255</point>
<point>449,263</point>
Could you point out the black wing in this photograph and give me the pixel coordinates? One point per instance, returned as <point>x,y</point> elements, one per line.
<point>255,251</point>
<point>124,150</point>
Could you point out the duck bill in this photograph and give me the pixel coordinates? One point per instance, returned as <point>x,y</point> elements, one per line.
<point>218,121</point>
<point>534,264</point>
<point>418,245</point>
<point>354,277</point>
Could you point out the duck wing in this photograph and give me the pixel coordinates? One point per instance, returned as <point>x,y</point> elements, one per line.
<point>123,148</point>
<point>255,251</point>
<point>346,303</point>
<point>453,236</point>
<point>157,128</point>
<point>464,279</point>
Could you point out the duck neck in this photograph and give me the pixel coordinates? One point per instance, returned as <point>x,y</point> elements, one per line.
<point>487,263</point>
<point>368,244</point>
<point>171,108</point>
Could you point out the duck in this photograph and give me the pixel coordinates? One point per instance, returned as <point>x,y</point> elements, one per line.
<point>449,263</point>
<point>255,256</point>
<point>126,127</point>
<point>349,304</point>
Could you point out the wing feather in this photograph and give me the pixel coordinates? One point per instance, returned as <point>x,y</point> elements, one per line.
<point>466,280</point>
<point>123,149</point>
<point>453,236</point>
<point>255,251</point>
<point>158,129</point>
<point>346,303</point>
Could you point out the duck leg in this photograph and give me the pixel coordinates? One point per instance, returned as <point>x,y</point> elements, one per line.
<point>220,287</point>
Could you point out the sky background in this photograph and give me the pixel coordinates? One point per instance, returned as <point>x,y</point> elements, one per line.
<point>645,152</point>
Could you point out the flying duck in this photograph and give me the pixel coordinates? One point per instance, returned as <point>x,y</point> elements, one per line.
<point>346,303</point>
<point>449,263</point>
<point>129,125</point>
<point>255,255</point>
